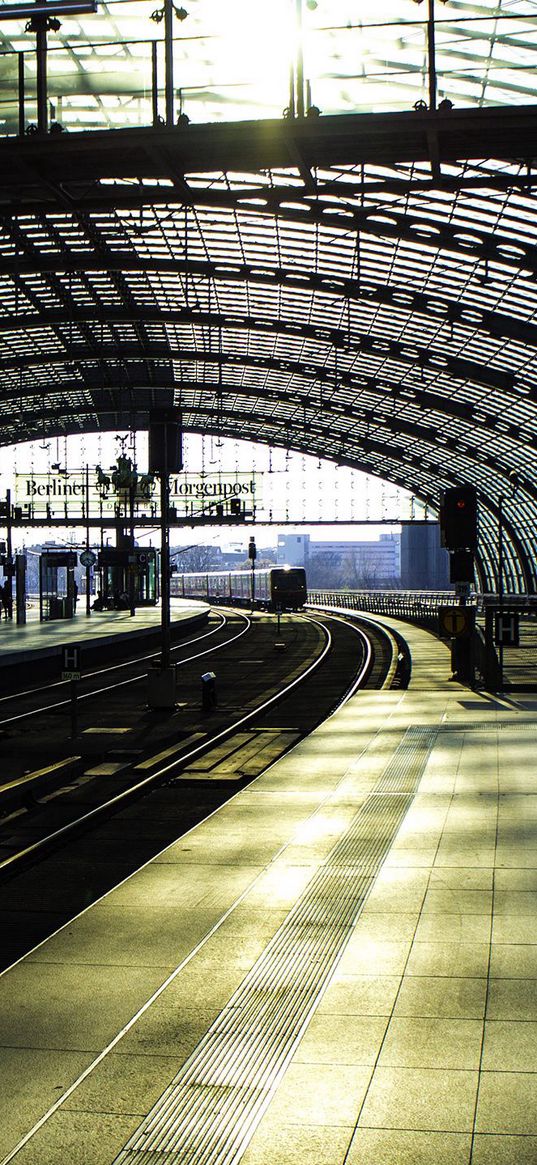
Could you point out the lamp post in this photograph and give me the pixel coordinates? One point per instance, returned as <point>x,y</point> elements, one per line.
<point>88,563</point>
<point>252,555</point>
<point>165,457</point>
<point>9,576</point>
<point>165,567</point>
<point>132,564</point>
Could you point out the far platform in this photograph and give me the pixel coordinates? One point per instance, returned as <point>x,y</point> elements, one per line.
<point>34,641</point>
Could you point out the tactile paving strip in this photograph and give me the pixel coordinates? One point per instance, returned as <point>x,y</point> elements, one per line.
<point>488,725</point>
<point>209,1112</point>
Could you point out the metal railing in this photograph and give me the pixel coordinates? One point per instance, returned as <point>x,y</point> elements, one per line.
<point>513,667</point>
<point>419,607</point>
<point>129,80</point>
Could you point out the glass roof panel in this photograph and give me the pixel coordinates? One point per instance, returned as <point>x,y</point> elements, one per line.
<point>380,315</point>
<point>232,59</point>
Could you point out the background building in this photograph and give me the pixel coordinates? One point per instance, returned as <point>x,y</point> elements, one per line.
<point>293,549</point>
<point>338,563</point>
<point>424,562</point>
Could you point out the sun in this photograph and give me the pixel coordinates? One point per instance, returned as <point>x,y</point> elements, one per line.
<point>254,42</point>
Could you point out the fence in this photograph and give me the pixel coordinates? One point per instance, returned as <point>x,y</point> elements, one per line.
<point>513,667</point>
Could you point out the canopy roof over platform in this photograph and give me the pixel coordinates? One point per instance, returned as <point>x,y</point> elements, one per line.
<point>360,286</point>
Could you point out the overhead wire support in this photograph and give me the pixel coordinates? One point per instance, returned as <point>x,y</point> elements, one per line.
<point>22,110</point>
<point>168,62</point>
<point>431,52</point>
<point>300,100</point>
<point>297,85</point>
<point>154,83</point>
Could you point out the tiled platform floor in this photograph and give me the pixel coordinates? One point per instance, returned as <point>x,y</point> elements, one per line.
<point>422,1050</point>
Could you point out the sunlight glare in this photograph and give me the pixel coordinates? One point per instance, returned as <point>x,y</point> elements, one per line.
<point>254,44</point>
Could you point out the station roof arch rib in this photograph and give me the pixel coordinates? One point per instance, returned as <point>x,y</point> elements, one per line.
<point>356,286</point>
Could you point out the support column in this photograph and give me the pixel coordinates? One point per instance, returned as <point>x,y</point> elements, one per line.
<point>88,565</point>
<point>165,569</point>
<point>500,586</point>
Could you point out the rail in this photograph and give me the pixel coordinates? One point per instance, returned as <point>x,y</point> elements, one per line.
<point>26,856</point>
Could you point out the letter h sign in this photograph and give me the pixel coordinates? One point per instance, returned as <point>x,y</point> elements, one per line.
<point>71,661</point>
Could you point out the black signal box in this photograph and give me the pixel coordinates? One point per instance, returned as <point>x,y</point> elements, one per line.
<point>165,441</point>
<point>461,566</point>
<point>458,518</point>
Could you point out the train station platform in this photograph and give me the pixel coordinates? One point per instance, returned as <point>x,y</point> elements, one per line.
<point>337,967</point>
<point>34,641</point>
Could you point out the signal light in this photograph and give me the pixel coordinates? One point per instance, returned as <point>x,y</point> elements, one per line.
<point>458,518</point>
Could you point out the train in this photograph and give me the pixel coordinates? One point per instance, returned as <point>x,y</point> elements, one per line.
<point>276,588</point>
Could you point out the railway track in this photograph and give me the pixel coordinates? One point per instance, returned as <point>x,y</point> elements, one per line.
<point>99,825</point>
<point>24,704</point>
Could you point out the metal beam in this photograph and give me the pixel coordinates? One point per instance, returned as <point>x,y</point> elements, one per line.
<point>357,428</point>
<point>507,132</point>
<point>452,366</point>
<point>401,466</point>
<point>401,298</point>
<point>477,242</point>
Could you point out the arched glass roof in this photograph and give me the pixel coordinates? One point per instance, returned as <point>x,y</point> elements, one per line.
<point>358,286</point>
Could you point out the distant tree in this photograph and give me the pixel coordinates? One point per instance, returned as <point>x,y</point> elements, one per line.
<point>367,579</point>
<point>190,559</point>
<point>350,573</point>
<point>324,572</point>
<point>260,564</point>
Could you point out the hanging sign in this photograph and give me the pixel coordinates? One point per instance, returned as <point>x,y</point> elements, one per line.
<point>202,492</point>
<point>68,494</point>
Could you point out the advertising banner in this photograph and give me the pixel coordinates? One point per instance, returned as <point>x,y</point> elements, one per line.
<point>74,494</point>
